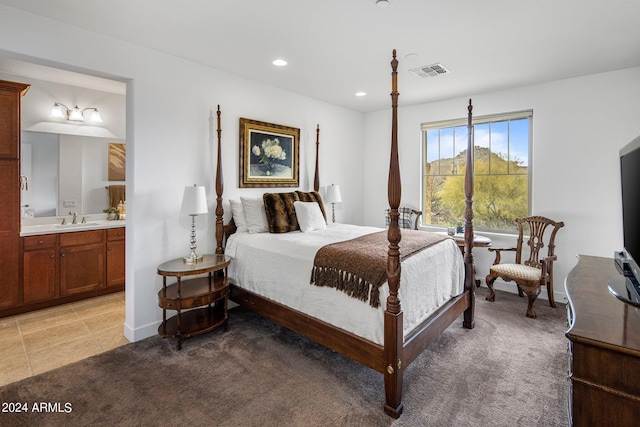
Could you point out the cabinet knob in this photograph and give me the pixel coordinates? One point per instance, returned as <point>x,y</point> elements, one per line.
<point>62,254</point>
<point>108,248</point>
<point>52,256</point>
<point>40,242</point>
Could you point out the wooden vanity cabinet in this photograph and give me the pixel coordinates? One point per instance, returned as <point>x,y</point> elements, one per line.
<point>40,268</point>
<point>81,261</point>
<point>59,268</point>
<point>115,257</point>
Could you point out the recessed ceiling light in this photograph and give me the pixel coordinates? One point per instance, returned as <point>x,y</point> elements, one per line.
<point>382,3</point>
<point>361,93</point>
<point>279,62</point>
<point>411,56</point>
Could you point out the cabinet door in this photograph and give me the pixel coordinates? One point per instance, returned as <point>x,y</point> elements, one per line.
<point>9,232</point>
<point>39,275</point>
<point>81,268</point>
<point>115,263</point>
<point>9,120</point>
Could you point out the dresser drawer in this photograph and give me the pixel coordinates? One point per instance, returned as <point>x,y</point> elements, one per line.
<point>610,370</point>
<point>43,241</point>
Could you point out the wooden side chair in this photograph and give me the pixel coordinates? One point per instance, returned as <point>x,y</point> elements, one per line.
<point>409,218</point>
<point>533,272</point>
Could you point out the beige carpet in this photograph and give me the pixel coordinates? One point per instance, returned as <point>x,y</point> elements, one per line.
<point>508,371</point>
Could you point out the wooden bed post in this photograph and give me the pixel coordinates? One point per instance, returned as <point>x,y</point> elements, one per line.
<point>219,191</point>
<point>316,175</point>
<point>469,270</point>
<point>393,327</point>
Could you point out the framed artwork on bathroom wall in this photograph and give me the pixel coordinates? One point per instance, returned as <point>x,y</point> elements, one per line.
<point>269,154</point>
<point>117,161</point>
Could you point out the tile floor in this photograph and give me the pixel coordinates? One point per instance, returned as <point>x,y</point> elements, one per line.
<point>42,340</point>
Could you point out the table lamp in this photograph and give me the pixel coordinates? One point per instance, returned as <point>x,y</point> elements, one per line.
<point>194,202</point>
<point>333,197</point>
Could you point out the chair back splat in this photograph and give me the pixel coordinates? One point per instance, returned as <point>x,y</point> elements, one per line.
<point>537,226</point>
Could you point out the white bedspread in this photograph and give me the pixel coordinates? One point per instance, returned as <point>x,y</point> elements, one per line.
<point>278,267</point>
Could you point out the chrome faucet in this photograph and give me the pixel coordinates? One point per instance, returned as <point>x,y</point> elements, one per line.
<point>75,217</point>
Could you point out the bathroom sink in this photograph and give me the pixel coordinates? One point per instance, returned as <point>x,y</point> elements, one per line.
<point>78,225</point>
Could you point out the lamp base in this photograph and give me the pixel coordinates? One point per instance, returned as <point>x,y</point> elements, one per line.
<point>192,259</point>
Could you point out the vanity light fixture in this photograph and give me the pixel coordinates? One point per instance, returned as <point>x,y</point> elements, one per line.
<point>194,202</point>
<point>74,114</point>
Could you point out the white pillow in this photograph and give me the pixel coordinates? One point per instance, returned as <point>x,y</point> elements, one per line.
<point>309,216</point>
<point>237,211</point>
<point>255,215</point>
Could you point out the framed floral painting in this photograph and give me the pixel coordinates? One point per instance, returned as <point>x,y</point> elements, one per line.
<point>269,155</point>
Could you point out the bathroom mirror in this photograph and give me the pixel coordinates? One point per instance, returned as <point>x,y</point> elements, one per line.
<point>63,173</point>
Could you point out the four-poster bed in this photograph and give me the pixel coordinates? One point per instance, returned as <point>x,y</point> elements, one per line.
<point>397,346</point>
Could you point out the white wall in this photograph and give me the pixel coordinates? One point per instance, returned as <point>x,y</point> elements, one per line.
<point>578,127</point>
<point>171,141</point>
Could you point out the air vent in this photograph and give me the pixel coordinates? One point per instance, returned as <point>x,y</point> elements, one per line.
<point>432,70</point>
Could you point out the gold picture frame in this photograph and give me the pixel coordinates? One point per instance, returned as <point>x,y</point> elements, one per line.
<point>269,154</point>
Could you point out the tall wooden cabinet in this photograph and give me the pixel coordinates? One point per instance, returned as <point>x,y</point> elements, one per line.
<point>10,95</point>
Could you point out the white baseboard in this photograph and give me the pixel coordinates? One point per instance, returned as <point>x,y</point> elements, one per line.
<point>141,333</point>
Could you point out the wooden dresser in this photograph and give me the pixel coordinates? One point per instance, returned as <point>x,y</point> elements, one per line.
<point>604,348</point>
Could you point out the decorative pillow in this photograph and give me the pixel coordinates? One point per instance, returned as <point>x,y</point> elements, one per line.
<point>309,216</point>
<point>237,211</point>
<point>255,215</point>
<point>281,214</point>
<point>312,196</point>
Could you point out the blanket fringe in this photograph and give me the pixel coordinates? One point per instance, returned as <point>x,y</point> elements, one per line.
<point>346,282</point>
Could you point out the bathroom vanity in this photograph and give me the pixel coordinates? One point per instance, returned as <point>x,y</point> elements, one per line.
<point>62,263</point>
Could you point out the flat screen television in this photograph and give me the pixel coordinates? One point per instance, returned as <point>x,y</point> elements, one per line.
<point>627,287</point>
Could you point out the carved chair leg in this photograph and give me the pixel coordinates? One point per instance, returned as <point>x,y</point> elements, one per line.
<point>492,294</point>
<point>552,301</point>
<point>520,293</point>
<point>532,294</point>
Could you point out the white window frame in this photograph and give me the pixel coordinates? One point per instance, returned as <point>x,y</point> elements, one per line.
<point>452,123</point>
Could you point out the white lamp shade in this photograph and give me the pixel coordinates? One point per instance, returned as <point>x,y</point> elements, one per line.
<point>333,194</point>
<point>95,116</point>
<point>56,111</point>
<point>194,201</point>
<point>76,114</point>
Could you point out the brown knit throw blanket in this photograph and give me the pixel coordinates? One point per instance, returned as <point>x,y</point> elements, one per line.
<point>358,267</point>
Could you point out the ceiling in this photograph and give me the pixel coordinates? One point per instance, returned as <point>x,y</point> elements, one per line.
<point>336,48</point>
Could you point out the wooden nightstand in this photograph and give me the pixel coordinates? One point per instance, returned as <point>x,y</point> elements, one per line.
<point>185,296</point>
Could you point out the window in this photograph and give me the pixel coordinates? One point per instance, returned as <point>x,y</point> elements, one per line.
<point>501,170</point>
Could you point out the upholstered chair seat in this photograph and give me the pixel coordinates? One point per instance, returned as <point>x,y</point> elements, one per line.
<point>516,272</point>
